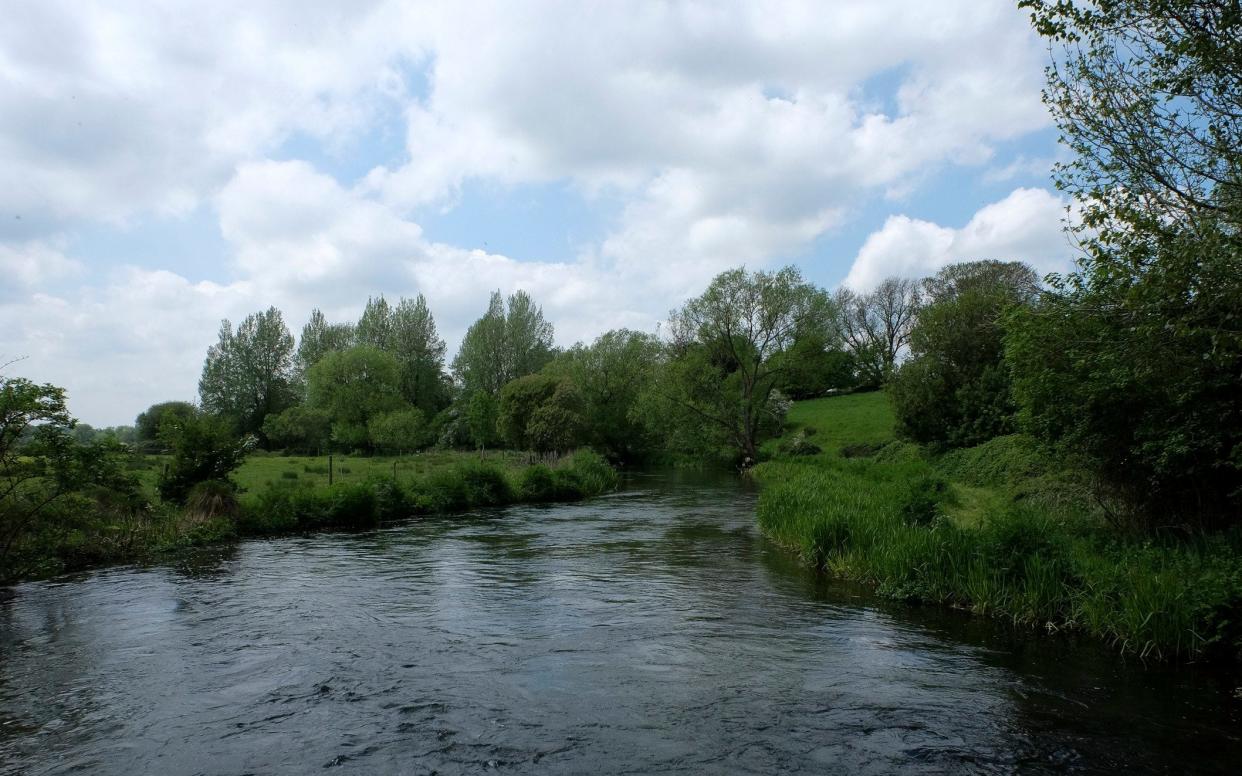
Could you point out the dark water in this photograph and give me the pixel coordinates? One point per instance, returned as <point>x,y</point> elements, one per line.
<point>648,632</point>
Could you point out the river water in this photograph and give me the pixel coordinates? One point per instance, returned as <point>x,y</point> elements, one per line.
<point>650,631</point>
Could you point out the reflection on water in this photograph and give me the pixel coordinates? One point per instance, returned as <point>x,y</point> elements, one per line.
<point>650,631</point>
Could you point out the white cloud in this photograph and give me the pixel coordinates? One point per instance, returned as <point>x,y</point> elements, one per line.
<point>726,133</point>
<point>1024,226</point>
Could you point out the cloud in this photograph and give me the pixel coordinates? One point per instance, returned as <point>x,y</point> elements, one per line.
<point>1025,226</point>
<point>718,134</point>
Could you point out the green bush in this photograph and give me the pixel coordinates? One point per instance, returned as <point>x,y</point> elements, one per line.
<point>485,484</point>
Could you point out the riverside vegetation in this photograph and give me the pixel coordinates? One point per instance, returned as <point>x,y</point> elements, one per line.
<point>998,528</point>
<point>1064,451</point>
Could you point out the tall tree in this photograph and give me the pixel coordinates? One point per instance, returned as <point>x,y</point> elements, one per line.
<point>610,374</point>
<point>420,353</point>
<point>876,326</point>
<point>723,374</point>
<point>320,338</point>
<point>1132,364</point>
<point>249,373</point>
<point>353,387</point>
<point>500,346</point>
<point>375,326</point>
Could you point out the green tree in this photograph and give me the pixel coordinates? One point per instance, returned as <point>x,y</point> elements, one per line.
<point>300,427</point>
<point>812,367</point>
<point>420,354</point>
<point>249,374</point>
<point>352,387</point>
<point>320,338</point>
<point>399,431</point>
<point>375,326</point>
<point>481,416</point>
<point>147,425</point>
<point>48,480</point>
<point>541,412</point>
<point>1131,365</point>
<point>955,391</point>
<point>611,374</point>
<point>503,346</point>
<point>722,373</point>
<point>205,448</point>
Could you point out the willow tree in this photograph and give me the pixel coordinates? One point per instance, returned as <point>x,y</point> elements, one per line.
<point>721,375</point>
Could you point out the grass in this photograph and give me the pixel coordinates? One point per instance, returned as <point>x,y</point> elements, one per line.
<point>280,494</point>
<point>995,529</point>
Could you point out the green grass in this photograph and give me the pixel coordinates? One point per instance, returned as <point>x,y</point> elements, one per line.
<point>995,529</point>
<point>280,494</point>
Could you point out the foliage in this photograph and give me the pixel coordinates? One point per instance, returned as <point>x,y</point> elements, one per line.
<point>482,416</point>
<point>955,389</point>
<point>300,428</point>
<point>320,338</point>
<point>876,326</point>
<point>204,448</point>
<point>51,485</point>
<point>899,522</point>
<point>503,346</point>
<point>148,424</point>
<point>610,375</point>
<point>541,412</point>
<point>1131,365</point>
<point>722,372</point>
<point>248,374</point>
<point>811,367</point>
<point>398,431</point>
<point>353,387</point>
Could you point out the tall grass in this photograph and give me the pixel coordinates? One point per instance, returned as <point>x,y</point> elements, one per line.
<point>895,520</point>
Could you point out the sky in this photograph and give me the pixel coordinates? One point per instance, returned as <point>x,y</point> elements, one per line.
<point>165,166</point>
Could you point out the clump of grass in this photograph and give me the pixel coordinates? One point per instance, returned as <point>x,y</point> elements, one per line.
<point>288,475</point>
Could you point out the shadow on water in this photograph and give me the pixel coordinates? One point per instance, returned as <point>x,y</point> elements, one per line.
<point>650,631</point>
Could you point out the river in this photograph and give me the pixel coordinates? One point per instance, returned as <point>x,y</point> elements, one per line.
<point>650,631</point>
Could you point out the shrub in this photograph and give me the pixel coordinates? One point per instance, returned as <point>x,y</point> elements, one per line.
<point>484,484</point>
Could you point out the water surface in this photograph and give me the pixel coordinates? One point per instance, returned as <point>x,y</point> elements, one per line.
<point>651,631</point>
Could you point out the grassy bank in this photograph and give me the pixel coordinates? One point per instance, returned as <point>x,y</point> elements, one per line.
<point>996,529</point>
<point>281,495</point>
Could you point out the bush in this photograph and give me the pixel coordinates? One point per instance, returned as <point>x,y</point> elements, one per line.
<point>484,484</point>
<point>593,473</point>
<point>204,448</point>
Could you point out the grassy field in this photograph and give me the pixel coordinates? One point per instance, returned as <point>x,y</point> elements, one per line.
<point>278,494</point>
<point>997,529</point>
<point>263,470</point>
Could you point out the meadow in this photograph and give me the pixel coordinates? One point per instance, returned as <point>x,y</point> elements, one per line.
<point>998,529</point>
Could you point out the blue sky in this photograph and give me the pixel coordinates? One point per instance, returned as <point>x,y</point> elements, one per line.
<point>163,169</point>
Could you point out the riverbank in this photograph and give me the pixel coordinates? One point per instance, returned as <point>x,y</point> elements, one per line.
<point>997,529</point>
<point>285,495</point>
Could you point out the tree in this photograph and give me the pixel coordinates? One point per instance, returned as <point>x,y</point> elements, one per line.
<point>812,367</point>
<point>955,389</point>
<point>722,374</point>
<point>398,431</point>
<point>876,326</point>
<point>205,448</point>
<point>1131,364</point>
<point>299,428</point>
<point>482,414</point>
<point>610,375</point>
<point>375,326</point>
<point>148,424</point>
<point>248,374</point>
<point>420,354</point>
<point>48,480</point>
<point>501,347</point>
<point>320,338</point>
<point>352,387</point>
<point>541,412</point>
